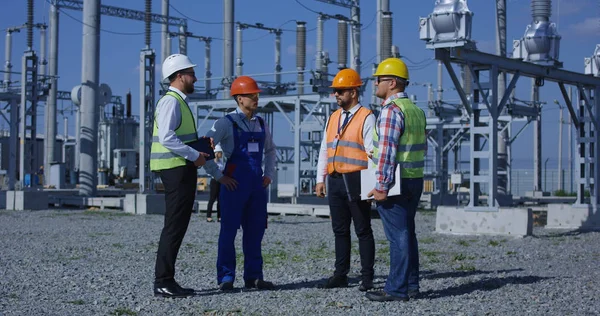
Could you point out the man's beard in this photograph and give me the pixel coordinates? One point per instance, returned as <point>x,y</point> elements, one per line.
<point>189,89</point>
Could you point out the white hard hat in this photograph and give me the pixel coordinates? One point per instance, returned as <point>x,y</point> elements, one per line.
<point>218,148</point>
<point>174,63</point>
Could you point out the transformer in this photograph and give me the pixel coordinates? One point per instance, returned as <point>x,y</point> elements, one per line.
<point>448,26</point>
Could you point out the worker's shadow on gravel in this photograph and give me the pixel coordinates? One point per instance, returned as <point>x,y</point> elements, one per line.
<point>431,274</point>
<point>490,284</point>
<point>556,233</point>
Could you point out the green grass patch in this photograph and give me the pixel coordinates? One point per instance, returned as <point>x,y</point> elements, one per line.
<point>494,243</point>
<point>118,245</point>
<point>464,243</point>
<point>273,257</point>
<point>459,257</point>
<point>77,302</point>
<point>465,267</point>
<point>383,250</point>
<point>510,253</point>
<point>427,240</point>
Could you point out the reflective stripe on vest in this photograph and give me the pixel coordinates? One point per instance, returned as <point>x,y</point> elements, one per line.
<point>410,154</point>
<point>346,152</point>
<point>160,157</point>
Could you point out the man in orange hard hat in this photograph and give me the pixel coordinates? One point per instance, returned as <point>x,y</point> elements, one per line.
<point>345,149</point>
<point>245,140</point>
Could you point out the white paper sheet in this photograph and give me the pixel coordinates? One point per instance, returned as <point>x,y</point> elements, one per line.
<point>368,181</point>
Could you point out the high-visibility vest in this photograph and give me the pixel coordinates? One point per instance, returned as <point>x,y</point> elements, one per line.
<point>160,157</point>
<point>411,148</point>
<point>346,150</point>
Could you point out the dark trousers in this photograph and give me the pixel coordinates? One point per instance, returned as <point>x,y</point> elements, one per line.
<point>343,211</point>
<point>180,192</point>
<point>215,188</point>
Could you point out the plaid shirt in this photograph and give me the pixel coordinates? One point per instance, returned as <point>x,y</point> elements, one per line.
<point>390,126</point>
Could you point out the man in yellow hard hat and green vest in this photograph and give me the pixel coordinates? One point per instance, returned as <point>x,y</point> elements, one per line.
<point>176,163</point>
<point>400,142</point>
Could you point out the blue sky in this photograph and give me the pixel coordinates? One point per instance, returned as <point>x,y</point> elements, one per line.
<point>122,40</point>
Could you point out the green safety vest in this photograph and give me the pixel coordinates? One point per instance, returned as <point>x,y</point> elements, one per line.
<point>411,148</point>
<point>160,157</point>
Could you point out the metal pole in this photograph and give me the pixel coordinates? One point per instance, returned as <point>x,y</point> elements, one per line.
<point>228,20</point>
<point>570,151</point>
<point>503,135</point>
<point>207,73</point>
<point>8,57</point>
<point>319,57</point>
<point>13,147</point>
<point>183,39</point>
<point>50,110</point>
<point>440,89</point>
<point>537,139</point>
<point>300,54</point>
<point>278,67</point>
<point>65,138</point>
<point>165,47</point>
<point>560,129</point>
<point>88,178</point>
<point>355,12</point>
<point>378,32</point>
<point>238,51</point>
<point>43,61</point>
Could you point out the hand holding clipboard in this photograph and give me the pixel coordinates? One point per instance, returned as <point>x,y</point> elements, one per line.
<point>204,146</point>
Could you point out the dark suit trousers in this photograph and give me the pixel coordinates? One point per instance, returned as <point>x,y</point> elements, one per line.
<point>180,193</point>
<point>343,212</point>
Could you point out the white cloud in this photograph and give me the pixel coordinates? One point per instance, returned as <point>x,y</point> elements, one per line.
<point>589,26</point>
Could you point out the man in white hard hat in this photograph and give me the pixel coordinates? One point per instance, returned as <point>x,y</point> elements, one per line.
<point>176,163</point>
<point>215,186</point>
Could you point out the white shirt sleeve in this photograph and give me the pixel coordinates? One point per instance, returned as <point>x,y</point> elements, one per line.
<point>322,162</point>
<point>368,128</point>
<point>168,118</point>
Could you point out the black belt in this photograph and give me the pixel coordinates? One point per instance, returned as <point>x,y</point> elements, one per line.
<point>335,174</point>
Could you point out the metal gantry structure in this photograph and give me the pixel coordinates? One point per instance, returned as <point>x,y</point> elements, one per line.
<point>482,119</point>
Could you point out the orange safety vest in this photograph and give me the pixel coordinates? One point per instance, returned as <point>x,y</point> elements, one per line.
<point>346,151</point>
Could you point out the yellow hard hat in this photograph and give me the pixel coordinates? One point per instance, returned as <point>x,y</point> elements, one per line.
<point>346,78</point>
<point>392,67</point>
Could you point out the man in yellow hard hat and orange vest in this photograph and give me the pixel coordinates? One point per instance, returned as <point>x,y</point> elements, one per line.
<point>345,150</point>
<point>245,140</point>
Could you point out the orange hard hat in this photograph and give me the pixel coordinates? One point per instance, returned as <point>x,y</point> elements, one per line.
<point>346,78</point>
<point>244,85</point>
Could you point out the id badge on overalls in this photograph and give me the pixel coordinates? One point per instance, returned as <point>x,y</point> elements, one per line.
<point>253,146</point>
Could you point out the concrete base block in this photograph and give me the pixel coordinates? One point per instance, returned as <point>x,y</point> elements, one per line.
<point>573,216</point>
<point>26,200</point>
<point>507,221</point>
<point>144,203</point>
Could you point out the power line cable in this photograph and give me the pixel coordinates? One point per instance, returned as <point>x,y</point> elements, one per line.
<point>307,8</point>
<point>372,20</point>
<point>191,19</point>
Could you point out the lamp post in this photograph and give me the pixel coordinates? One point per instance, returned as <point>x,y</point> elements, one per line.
<point>560,125</point>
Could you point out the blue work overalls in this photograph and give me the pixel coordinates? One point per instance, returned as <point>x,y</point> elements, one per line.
<point>245,206</point>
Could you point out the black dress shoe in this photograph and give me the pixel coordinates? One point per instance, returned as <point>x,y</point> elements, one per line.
<point>259,284</point>
<point>334,281</point>
<point>382,296</point>
<point>171,291</point>
<point>413,294</point>
<point>226,286</point>
<point>366,285</point>
<point>185,289</point>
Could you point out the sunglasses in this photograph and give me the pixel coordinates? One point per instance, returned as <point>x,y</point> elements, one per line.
<point>340,91</point>
<point>379,79</point>
<point>191,73</point>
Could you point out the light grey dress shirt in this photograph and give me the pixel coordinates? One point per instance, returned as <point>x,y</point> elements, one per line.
<point>222,133</point>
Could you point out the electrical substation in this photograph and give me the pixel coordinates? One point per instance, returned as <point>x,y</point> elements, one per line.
<point>469,177</point>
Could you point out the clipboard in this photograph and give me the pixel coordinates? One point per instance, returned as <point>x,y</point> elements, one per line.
<point>203,145</point>
<point>368,181</point>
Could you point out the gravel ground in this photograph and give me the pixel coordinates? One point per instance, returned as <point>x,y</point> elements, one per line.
<point>67,262</point>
